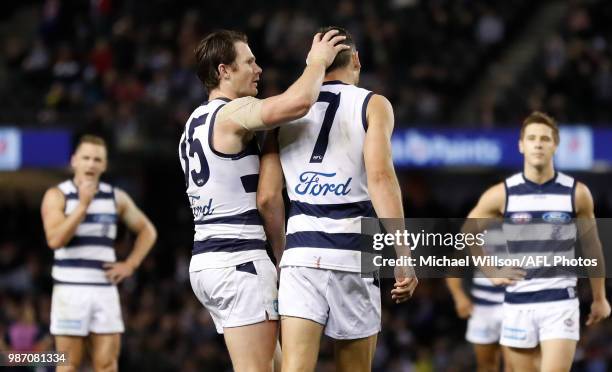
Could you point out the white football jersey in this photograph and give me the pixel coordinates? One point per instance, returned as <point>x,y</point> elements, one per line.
<point>81,261</point>
<point>221,190</point>
<point>323,164</point>
<point>539,221</point>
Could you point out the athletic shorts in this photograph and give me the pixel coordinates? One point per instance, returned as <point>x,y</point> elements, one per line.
<point>526,325</point>
<point>238,295</point>
<point>484,325</point>
<point>344,302</point>
<point>78,310</point>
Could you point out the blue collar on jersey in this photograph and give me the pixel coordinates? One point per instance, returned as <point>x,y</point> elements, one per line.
<point>537,185</point>
<point>331,82</point>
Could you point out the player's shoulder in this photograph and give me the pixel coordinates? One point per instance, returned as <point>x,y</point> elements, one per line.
<point>106,187</point>
<point>514,180</point>
<point>66,187</point>
<point>496,191</point>
<point>208,108</point>
<point>566,180</point>
<point>494,197</point>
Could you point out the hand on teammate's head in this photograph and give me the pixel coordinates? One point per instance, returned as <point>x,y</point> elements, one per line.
<point>325,48</point>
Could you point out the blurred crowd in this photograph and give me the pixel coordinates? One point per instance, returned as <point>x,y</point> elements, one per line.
<point>125,67</point>
<point>572,77</point>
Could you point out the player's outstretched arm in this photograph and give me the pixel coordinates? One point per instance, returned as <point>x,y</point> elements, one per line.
<point>383,186</point>
<point>249,113</point>
<point>269,195</point>
<point>60,228</point>
<point>145,232</point>
<point>591,246</point>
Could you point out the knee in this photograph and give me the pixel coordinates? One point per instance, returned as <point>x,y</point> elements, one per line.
<point>67,368</point>
<point>105,363</point>
<point>487,365</point>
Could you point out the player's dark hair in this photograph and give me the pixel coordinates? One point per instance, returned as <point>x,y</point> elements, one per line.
<point>538,117</point>
<point>343,58</point>
<point>215,49</point>
<point>90,138</point>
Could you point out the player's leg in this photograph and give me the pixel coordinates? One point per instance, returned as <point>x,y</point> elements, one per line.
<point>301,339</point>
<point>71,309</point>
<point>105,328</point>
<point>523,359</point>
<point>105,351</point>
<point>484,331</point>
<point>559,333</point>
<point>355,355</point>
<point>74,349</point>
<point>506,360</point>
<point>278,357</point>
<point>557,355</point>
<point>251,347</point>
<point>242,302</point>
<point>487,357</point>
<point>520,336</point>
<point>354,319</point>
<point>304,311</point>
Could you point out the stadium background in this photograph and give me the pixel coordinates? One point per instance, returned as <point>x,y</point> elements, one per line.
<point>460,74</point>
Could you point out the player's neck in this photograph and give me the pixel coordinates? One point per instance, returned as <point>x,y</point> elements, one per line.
<point>78,180</point>
<point>222,93</point>
<point>539,175</point>
<point>343,75</point>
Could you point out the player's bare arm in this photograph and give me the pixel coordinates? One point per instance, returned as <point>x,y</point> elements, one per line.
<point>383,185</point>
<point>587,231</point>
<point>60,228</point>
<point>269,195</point>
<point>236,121</point>
<point>138,223</point>
<point>490,205</point>
<point>463,303</point>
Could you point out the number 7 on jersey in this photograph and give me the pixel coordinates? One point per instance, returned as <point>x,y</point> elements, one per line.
<point>328,119</point>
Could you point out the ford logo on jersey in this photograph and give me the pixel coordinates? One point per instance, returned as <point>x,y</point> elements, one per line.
<point>201,210</point>
<point>312,183</point>
<point>556,217</point>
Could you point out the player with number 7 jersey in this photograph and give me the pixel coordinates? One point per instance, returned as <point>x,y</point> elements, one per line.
<point>336,163</point>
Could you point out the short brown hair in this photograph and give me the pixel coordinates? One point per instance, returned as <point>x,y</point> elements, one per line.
<point>215,49</point>
<point>538,117</point>
<point>90,138</point>
<point>343,58</point>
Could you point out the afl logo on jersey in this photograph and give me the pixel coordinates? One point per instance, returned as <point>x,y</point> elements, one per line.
<point>520,218</point>
<point>556,217</point>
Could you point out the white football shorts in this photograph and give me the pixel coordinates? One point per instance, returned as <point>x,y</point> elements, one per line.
<point>344,302</point>
<point>238,295</point>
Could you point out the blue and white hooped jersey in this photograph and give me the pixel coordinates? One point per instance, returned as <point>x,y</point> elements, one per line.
<point>483,291</point>
<point>221,190</point>
<point>81,260</point>
<point>322,160</point>
<point>539,221</point>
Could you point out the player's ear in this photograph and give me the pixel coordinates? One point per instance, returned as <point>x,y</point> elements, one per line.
<point>355,59</point>
<point>223,71</point>
<point>520,146</point>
